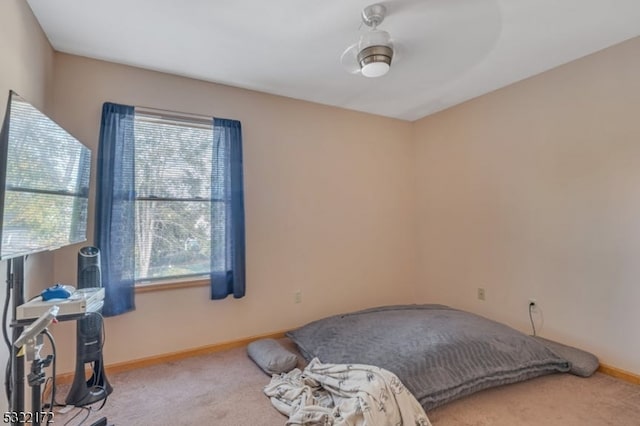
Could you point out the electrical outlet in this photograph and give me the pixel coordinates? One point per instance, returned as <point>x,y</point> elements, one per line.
<point>481,294</point>
<point>297,296</point>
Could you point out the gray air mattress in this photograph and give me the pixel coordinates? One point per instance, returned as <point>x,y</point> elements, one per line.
<point>439,353</point>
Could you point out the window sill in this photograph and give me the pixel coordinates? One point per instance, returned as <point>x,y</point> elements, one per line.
<point>171,285</point>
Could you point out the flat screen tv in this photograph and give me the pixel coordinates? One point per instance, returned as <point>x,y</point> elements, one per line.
<point>44,183</point>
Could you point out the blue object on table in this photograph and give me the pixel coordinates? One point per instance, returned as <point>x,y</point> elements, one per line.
<point>55,292</point>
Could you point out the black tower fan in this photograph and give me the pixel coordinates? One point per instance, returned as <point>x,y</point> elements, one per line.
<point>89,339</point>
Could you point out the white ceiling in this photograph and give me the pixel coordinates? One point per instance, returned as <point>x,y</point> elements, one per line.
<point>448,51</point>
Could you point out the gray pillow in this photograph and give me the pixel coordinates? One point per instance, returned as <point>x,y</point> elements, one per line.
<point>583,363</point>
<point>271,356</point>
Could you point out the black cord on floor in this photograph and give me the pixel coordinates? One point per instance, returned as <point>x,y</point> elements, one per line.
<point>81,409</point>
<point>53,375</point>
<point>5,312</point>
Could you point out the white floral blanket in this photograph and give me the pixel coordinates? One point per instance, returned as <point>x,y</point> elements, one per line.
<point>344,395</point>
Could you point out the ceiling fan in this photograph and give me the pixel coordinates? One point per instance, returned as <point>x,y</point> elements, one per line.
<point>371,56</point>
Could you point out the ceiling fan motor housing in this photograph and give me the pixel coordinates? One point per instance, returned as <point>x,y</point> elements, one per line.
<point>372,54</point>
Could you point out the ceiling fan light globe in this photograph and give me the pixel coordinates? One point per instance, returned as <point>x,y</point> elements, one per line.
<point>375,69</point>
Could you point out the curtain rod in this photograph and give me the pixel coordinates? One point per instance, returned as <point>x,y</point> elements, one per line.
<point>172,114</point>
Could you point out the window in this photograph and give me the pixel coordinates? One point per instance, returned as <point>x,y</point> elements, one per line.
<point>173,197</point>
<point>169,202</point>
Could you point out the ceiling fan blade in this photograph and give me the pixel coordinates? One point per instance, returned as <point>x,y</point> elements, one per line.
<point>397,52</point>
<point>349,59</point>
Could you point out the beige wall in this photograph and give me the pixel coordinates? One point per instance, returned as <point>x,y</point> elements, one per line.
<point>329,210</point>
<point>26,68</point>
<point>534,191</point>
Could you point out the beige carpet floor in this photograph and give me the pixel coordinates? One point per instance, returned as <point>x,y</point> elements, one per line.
<point>225,389</point>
